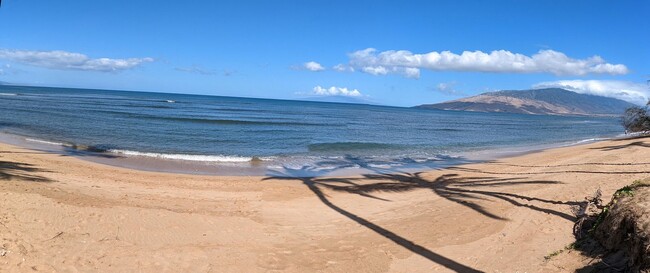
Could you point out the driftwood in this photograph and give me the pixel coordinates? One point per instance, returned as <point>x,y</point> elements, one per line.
<point>587,213</point>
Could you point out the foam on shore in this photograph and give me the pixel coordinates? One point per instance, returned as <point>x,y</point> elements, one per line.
<point>188,157</point>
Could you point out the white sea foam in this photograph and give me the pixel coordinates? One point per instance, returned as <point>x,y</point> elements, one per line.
<point>635,134</point>
<point>382,166</point>
<point>8,94</point>
<point>44,142</point>
<point>187,157</point>
<point>590,140</point>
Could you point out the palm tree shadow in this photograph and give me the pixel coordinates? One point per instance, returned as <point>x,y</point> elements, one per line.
<point>82,151</point>
<point>624,146</point>
<point>474,170</point>
<point>383,165</point>
<point>462,190</point>
<point>313,184</point>
<point>21,171</point>
<point>465,191</point>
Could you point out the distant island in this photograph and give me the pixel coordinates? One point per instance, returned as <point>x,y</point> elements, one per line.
<point>550,101</point>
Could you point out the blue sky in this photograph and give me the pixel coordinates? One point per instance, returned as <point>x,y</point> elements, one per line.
<point>388,52</point>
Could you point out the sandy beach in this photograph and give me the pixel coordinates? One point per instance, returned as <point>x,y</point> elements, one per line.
<point>64,214</point>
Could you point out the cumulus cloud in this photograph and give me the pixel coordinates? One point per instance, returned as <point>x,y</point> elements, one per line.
<point>64,60</point>
<point>336,91</point>
<point>313,66</point>
<point>343,68</point>
<point>409,72</point>
<point>638,93</point>
<point>448,89</point>
<point>408,64</point>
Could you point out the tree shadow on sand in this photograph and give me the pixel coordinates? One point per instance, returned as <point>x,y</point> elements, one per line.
<point>473,170</point>
<point>87,151</point>
<point>571,164</point>
<point>465,191</point>
<point>21,171</point>
<point>624,146</point>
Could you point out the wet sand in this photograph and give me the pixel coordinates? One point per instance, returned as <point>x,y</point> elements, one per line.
<point>64,214</point>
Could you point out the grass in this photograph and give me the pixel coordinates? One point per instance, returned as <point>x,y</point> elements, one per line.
<point>558,252</point>
<point>622,192</point>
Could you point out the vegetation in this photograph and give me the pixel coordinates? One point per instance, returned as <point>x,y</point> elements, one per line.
<point>625,191</point>
<point>558,252</point>
<point>636,119</point>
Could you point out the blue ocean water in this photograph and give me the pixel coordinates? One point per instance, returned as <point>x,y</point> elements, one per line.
<point>217,131</point>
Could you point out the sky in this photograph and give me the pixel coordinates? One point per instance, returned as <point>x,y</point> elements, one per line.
<point>400,53</point>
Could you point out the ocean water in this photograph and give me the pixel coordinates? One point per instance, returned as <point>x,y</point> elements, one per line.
<point>209,134</point>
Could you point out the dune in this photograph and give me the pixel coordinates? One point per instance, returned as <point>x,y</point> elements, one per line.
<point>64,214</point>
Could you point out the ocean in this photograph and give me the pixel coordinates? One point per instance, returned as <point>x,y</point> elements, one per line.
<point>234,136</point>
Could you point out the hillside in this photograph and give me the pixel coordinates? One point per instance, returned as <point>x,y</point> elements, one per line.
<point>551,101</point>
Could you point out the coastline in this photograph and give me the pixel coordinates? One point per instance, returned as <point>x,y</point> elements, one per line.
<point>61,213</point>
<point>340,166</point>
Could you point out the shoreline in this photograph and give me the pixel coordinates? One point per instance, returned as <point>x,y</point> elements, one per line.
<point>262,167</point>
<point>61,213</point>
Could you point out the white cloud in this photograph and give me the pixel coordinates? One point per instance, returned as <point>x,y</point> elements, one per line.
<point>449,89</point>
<point>343,68</point>
<point>408,64</point>
<point>408,72</point>
<point>64,60</point>
<point>313,66</point>
<point>336,91</point>
<point>638,93</point>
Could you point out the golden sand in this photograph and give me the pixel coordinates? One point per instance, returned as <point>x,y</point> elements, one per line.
<point>63,214</point>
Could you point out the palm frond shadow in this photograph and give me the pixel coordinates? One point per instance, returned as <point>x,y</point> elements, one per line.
<point>315,186</point>
<point>572,164</point>
<point>465,191</point>
<point>370,165</point>
<point>473,170</point>
<point>10,170</point>
<point>76,151</point>
<point>624,146</point>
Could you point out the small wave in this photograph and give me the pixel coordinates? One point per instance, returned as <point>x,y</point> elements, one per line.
<point>276,122</point>
<point>382,166</point>
<point>188,157</point>
<point>347,146</point>
<point>154,106</point>
<point>634,134</point>
<point>78,147</point>
<point>45,142</point>
<point>589,140</point>
<point>8,94</point>
<point>233,121</point>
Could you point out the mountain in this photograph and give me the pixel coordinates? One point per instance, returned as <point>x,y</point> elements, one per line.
<point>550,101</point>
